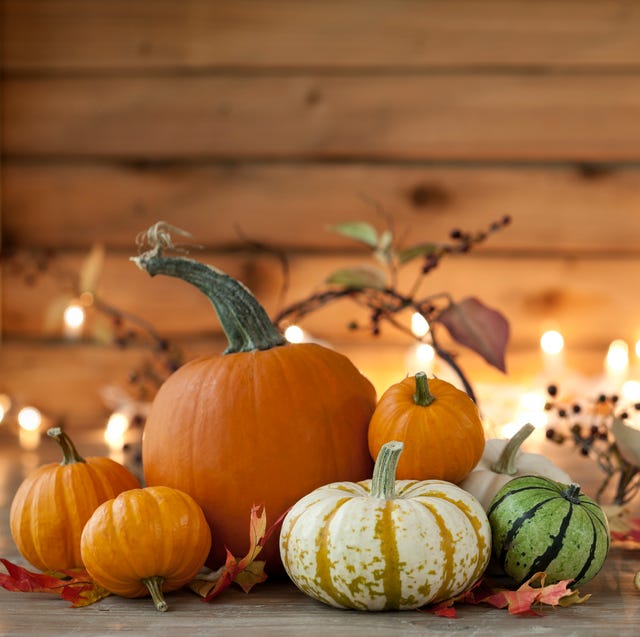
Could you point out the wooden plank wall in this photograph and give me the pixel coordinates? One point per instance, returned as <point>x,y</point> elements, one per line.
<point>272,120</point>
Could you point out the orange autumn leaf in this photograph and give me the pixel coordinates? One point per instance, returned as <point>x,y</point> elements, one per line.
<point>245,572</point>
<point>74,586</point>
<point>521,601</point>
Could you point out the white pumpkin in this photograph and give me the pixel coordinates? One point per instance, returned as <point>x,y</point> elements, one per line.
<point>383,544</point>
<point>502,461</point>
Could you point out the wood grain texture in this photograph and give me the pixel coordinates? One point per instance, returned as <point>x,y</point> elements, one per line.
<point>278,609</point>
<point>591,301</point>
<point>464,117</point>
<point>562,209</point>
<point>198,34</point>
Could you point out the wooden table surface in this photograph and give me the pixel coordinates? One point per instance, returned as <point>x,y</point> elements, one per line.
<point>277,608</point>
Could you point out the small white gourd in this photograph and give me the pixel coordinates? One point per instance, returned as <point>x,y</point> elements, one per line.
<point>502,461</point>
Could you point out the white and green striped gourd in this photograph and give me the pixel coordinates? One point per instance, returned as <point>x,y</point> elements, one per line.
<point>385,544</point>
<point>539,524</point>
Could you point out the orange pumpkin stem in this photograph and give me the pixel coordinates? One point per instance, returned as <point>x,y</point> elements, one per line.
<point>506,463</point>
<point>244,321</point>
<point>70,454</point>
<point>383,482</point>
<point>423,396</point>
<point>154,586</point>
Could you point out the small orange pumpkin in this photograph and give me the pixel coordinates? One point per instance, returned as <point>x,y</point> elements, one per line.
<point>146,541</point>
<point>53,503</point>
<point>439,424</point>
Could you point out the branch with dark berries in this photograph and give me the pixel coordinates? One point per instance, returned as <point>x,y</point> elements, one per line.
<point>374,286</point>
<point>600,429</point>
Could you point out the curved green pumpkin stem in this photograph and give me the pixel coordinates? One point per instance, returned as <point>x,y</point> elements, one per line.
<point>506,463</point>
<point>383,482</point>
<point>572,493</point>
<point>70,454</point>
<point>244,321</point>
<point>422,396</point>
<point>154,586</point>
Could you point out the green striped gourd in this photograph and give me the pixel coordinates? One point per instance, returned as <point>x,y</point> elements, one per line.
<point>384,544</point>
<point>542,525</point>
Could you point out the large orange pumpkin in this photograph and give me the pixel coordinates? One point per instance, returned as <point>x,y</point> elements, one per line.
<point>439,423</point>
<point>53,503</point>
<point>264,423</point>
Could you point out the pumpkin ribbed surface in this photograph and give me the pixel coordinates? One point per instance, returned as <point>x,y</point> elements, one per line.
<point>143,534</point>
<point>444,437</point>
<point>542,525</point>
<point>52,505</point>
<point>258,427</point>
<point>348,549</point>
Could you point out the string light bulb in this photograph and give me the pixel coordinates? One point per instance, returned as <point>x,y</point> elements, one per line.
<point>552,342</point>
<point>419,325</point>
<point>73,318</point>
<point>117,426</point>
<point>294,334</point>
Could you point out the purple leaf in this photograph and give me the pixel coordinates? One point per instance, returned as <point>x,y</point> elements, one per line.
<point>478,327</point>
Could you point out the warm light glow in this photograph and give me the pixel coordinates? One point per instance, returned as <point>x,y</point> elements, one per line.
<point>29,418</point>
<point>631,391</point>
<point>552,342</point>
<point>5,406</point>
<point>294,334</point>
<point>74,316</point>
<point>419,325</point>
<point>425,354</point>
<point>618,356</point>
<point>510,429</point>
<point>531,409</point>
<point>638,348</point>
<point>117,425</point>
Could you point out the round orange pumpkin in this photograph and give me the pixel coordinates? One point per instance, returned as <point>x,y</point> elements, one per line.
<point>146,541</point>
<point>439,424</point>
<point>53,503</point>
<point>264,423</point>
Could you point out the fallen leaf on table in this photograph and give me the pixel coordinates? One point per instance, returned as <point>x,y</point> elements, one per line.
<point>519,601</point>
<point>246,572</point>
<point>621,526</point>
<point>74,586</point>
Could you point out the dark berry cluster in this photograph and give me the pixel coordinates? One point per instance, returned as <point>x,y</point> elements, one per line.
<point>586,424</point>
<point>462,241</point>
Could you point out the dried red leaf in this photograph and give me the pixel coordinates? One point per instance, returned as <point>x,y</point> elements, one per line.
<point>247,571</point>
<point>478,327</point>
<point>74,586</point>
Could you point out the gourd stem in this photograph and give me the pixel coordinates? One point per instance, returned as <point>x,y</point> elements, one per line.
<point>154,586</point>
<point>70,454</point>
<point>506,462</point>
<point>572,493</point>
<point>422,396</point>
<point>383,482</point>
<point>244,321</point>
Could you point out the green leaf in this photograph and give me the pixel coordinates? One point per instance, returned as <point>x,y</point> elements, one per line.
<point>359,277</point>
<point>478,327</point>
<point>420,250</point>
<point>359,231</point>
